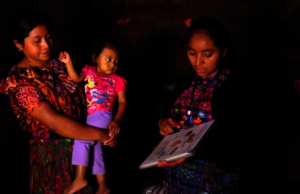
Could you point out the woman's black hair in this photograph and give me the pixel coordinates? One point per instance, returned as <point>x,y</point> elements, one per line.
<point>20,26</point>
<point>23,23</point>
<point>102,43</point>
<point>216,31</point>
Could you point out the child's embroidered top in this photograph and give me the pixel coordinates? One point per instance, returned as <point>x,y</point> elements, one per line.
<point>101,91</point>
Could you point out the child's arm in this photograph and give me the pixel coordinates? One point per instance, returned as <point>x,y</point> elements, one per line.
<point>114,127</point>
<point>65,58</point>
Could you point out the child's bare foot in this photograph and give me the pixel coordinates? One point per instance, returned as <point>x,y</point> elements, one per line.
<point>103,189</point>
<point>76,185</point>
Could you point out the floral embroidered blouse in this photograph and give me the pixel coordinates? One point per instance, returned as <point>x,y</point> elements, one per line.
<point>27,88</point>
<point>200,109</point>
<point>51,170</point>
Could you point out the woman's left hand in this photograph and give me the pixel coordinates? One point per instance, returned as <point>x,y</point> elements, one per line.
<point>170,164</point>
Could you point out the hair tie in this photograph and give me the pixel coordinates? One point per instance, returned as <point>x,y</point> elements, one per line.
<point>188,22</point>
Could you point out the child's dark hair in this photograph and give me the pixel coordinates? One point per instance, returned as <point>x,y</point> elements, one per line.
<point>104,42</point>
<point>215,30</point>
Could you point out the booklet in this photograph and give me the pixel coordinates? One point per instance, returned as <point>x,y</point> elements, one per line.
<point>177,145</point>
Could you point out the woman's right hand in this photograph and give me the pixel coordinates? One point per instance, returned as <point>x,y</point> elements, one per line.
<point>166,125</point>
<point>112,141</point>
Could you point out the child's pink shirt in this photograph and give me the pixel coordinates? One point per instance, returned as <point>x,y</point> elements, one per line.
<point>101,91</point>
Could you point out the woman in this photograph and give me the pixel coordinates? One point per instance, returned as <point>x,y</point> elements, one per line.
<point>48,104</point>
<point>208,94</point>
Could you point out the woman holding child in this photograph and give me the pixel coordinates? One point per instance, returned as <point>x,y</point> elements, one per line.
<point>48,104</point>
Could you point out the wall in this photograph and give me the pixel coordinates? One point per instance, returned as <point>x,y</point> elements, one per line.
<point>155,34</point>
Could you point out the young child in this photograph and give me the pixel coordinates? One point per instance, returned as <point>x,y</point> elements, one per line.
<point>102,88</point>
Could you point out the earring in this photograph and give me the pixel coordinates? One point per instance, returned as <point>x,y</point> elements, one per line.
<point>19,50</point>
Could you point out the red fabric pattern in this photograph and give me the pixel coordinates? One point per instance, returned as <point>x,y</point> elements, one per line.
<point>50,158</point>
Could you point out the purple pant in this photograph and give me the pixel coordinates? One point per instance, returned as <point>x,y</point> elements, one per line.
<point>81,149</point>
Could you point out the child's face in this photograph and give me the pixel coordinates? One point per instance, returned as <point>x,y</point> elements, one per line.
<point>107,61</point>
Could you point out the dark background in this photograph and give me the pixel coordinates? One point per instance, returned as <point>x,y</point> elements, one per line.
<point>266,37</point>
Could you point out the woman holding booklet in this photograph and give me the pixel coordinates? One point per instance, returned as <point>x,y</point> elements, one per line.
<point>209,93</point>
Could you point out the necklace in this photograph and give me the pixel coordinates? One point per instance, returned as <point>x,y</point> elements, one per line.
<point>189,121</point>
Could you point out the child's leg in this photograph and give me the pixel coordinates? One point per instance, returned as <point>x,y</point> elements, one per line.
<point>98,162</point>
<point>98,169</point>
<point>79,182</point>
<point>101,119</point>
<point>80,158</point>
<point>103,189</point>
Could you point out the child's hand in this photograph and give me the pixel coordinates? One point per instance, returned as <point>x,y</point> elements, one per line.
<point>64,57</point>
<point>114,128</point>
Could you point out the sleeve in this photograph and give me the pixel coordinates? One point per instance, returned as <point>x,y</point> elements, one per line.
<point>25,98</point>
<point>85,69</point>
<point>121,85</point>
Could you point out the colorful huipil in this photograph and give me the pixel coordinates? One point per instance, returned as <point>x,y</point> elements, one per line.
<point>51,171</point>
<point>197,176</point>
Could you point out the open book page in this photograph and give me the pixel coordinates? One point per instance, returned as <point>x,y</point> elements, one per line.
<point>177,145</point>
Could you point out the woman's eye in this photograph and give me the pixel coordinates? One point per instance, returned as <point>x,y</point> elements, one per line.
<point>190,53</point>
<point>208,55</point>
<point>37,40</point>
<point>108,59</point>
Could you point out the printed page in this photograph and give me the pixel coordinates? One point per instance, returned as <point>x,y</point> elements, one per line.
<point>190,138</point>
<point>177,144</point>
<point>165,149</point>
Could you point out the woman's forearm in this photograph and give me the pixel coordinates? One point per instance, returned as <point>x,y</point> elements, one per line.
<point>66,126</point>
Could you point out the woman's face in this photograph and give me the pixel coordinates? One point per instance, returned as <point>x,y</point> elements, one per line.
<point>204,55</point>
<point>37,44</point>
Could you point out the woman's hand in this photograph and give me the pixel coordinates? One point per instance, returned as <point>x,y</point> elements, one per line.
<point>166,125</point>
<point>112,141</point>
<point>170,164</point>
<point>165,128</point>
<point>114,127</point>
<point>65,57</point>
